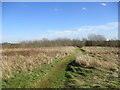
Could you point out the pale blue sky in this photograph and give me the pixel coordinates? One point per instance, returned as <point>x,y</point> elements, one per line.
<point>37,20</point>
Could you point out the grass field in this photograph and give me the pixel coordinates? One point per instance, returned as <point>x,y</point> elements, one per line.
<point>60,67</point>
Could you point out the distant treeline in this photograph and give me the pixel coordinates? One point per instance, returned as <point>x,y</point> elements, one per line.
<point>44,43</point>
<point>60,42</point>
<point>92,40</point>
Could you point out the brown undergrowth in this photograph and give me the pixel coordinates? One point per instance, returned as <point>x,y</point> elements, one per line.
<point>105,57</point>
<point>19,60</point>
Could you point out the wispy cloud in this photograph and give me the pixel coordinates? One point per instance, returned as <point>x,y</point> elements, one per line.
<point>103,4</point>
<point>109,30</point>
<point>108,26</point>
<point>55,9</point>
<point>83,8</point>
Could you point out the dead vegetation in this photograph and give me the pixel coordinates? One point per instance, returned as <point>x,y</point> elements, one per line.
<point>105,57</point>
<point>18,60</point>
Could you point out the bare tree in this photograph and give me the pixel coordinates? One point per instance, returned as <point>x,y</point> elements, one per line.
<point>94,37</point>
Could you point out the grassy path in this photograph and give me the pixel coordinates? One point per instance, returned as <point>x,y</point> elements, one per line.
<point>55,77</point>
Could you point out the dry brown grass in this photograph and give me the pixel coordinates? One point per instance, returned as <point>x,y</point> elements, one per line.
<point>105,57</point>
<point>28,59</point>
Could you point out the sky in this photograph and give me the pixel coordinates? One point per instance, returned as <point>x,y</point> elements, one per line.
<point>23,21</point>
